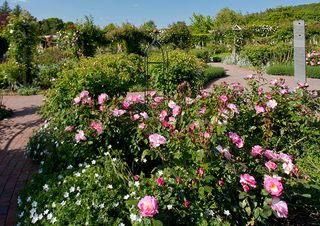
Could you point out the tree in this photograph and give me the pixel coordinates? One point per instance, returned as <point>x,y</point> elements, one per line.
<point>5,8</point>
<point>148,26</point>
<point>177,34</point>
<point>51,26</point>
<point>17,10</point>
<point>201,24</point>
<point>228,18</point>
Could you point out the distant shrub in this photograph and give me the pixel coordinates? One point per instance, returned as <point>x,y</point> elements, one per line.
<point>288,69</point>
<point>212,73</point>
<point>28,90</point>
<point>12,74</point>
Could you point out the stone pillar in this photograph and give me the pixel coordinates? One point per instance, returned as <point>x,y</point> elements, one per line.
<point>299,51</point>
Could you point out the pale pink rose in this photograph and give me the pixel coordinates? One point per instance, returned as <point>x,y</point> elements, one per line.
<point>80,136</point>
<point>271,155</point>
<point>314,94</point>
<point>201,171</point>
<point>235,85</point>
<point>202,111</point>
<point>144,115</point>
<point>142,125</point>
<point>156,140</point>
<point>171,104</point>
<point>280,207</point>
<point>285,157</point>
<point>225,152</point>
<point>160,181</point>
<point>172,120</point>
<point>84,94</point>
<point>272,104</point>
<point>87,100</point>
<point>247,179</point>
<point>287,167</point>
<point>69,128</point>
<point>223,98</point>
<point>152,93</point>
<point>268,96</point>
<point>194,125</point>
<point>206,135</point>
<point>148,206</point>
<point>102,108</point>
<point>163,115</point>
<point>77,100</point>
<point>256,150</point>
<point>189,100</point>
<point>271,165</point>
<point>116,112</point>
<point>273,82</point>
<point>135,99</point>
<point>233,108</point>
<point>236,139</point>
<point>97,126</point>
<point>284,91</point>
<point>135,117</point>
<point>249,76</point>
<point>125,105</point>
<point>273,185</point>
<point>158,99</point>
<point>303,85</point>
<point>259,109</point>
<point>102,98</point>
<point>176,110</point>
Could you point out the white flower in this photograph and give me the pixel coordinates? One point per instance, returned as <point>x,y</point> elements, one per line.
<point>66,195</point>
<point>46,187</point>
<point>93,162</point>
<point>78,174</point>
<point>72,189</point>
<point>169,207</point>
<point>46,212</point>
<point>121,224</point>
<point>133,217</point>
<point>114,159</point>
<point>69,167</point>
<point>49,216</point>
<point>96,175</point>
<point>126,197</point>
<point>19,201</point>
<point>144,160</point>
<point>21,214</point>
<point>53,220</point>
<point>78,202</point>
<point>34,204</point>
<point>110,146</point>
<point>226,212</point>
<point>40,216</point>
<point>137,183</point>
<point>106,153</point>
<point>109,186</point>
<point>63,203</point>
<point>32,211</point>
<point>133,193</point>
<point>116,204</point>
<point>101,206</point>
<point>29,199</point>
<point>136,160</point>
<point>80,164</point>
<point>83,171</point>
<point>34,219</point>
<point>60,177</point>
<point>160,172</point>
<point>53,205</point>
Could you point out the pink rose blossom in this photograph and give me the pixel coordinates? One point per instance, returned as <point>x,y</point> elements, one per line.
<point>171,104</point>
<point>189,100</point>
<point>249,76</point>
<point>221,182</point>
<point>136,177</point>
<point>117,113</point>
<point>260,90</point>
<point>287,167</point>
<point>223,98</point>
<point>176,110</point>
<point>97,126</point>
<point>77,100</point>
<point>160,181</point>
<point>186,203</point>
<point>135,99</point>
<point>236,139</point>
<point>84,94</point>
<point>158,99</point>
<point>271,165</point>
<point>142,125</point>
<point>152,93</point>
<point>225,152</point>
<point>284,91</point>
<point>271,155</point>
<point>201,171</point>
<point>273,82</point>
<point>148,206</point>
<point>69,128</point>
<point>156,140</point>
<point>273,185</point>
<point>135,117</point>
<point>178,180</point>
<point>280,207</point>
<point>80,136</point>
<point>233,108</point>
<point>87,100</point>
<point>285,157</point>
<point>102,98</point>
<point>205,94</point>
<point>259,109</point>
<point>144,115</point>
<point>247,180</point>
<point>163,115</point>
<point>256,150</point>
<point>303,85</point>
<point>126,105</point>
<point>102,108</point>
<point>268,96</point>
<point>206,135</point>
<point>272,104</point>
<point>202,111</point>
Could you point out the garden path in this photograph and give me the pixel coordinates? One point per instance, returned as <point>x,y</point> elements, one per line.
<point>236,74</point>
<point>15,168</point>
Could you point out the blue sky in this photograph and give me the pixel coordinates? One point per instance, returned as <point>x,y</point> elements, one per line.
<point>162,12</point>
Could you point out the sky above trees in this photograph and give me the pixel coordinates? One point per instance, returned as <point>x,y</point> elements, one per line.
<point>163,12</point>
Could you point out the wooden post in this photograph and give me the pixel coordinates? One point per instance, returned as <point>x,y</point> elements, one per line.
<point>299,51</point>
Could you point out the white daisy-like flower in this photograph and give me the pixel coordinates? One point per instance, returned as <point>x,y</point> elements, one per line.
<point>78,202</point>
<point>126,197</point>
<point>121,224</point>
<point>77,174</point>
<point>169,207</point>
<point>34,204</point>
<point>29,199</point>
<point>226,212</point>
<point>93,162</point>
<point>53,205</point>
<point>137,183</point>
<point>63,203</point>
<point>109,186</point>
<point>72,189</point>
<point>46,212</point>
<point>101,206</point>
<point>46,187</point>
<point>53,220</point>
<point>144,160</point>
<point>66,195</point>
<point>49,216</point>
<point>69,167</point>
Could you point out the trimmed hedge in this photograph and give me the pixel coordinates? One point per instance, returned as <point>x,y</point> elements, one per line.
<point>213,73</point>
<point>288,69</point>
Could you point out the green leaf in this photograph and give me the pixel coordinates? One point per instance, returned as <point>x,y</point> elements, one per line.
<point>201,192</point>
<point>157,223</point>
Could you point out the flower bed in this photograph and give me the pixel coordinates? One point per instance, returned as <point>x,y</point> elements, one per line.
<point>223,158</point>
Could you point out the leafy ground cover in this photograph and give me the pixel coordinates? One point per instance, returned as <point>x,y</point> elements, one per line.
<point>230,157</point>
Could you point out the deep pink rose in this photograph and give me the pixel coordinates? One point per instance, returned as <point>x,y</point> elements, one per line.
<point>247,179</point>
<point>273,185</point>
<point>221,182</point>
<point>178,180</point>
<point>156,140</point>
<point>236,139</point>
<point>271,165</point>
<point>256,150</point>
<point>148,206</point>
<point>186,203</point>
<point>223,98</point>
<point>136,177</point>
<point>259,109</point>
<point>160,181</point>
<point>201,171</point>
<point>280,207</point>
<point>245,187</point>
<point>97,126</point>
<point>125,105</point>
<point>84,93</point>
<point>102,98</point>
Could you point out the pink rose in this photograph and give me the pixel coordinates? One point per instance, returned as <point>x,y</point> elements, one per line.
<point>160,181</point>
<point>249,76</point>
<point>284,91</point>
<point>260,90</point>
<point>156,140</point>
<point>125,105</point>
<point>271,165</point>
<point>84,93</point>
<point>223,98</point>
<point>135,99</point>
<point>77,100</point>
<point>176,110</point>
<point>273,185</point>
<point>268,96</point>
<point>206,135</point>
<point>273,82</point>
<point>136,177</point>
<point>80,136</point>
<point>271,155</point>
<point>163,114</point>
<point>135,117</point>
<point>225,152</point>
<point>236,139</point>
<point>280,207</point>
<point>233,108</point>
<point>178,180</point>
<point>189,100</point>
<point>221,183</point>
<point>69,128</point>
<point>272,104</point>
<point>172,104</point>
<point>256,150</point>
<point>287,167</point>
<point>259,109</point>
<point>102,98</point>
<point>144,115</point>
<point>102,108</point>
<point>142,125</point>
<point>148,206</point>
<point>247,179</point>
<point>158,99</point>
<point>116,112</point>
<point>186,203</point>
<point>97,126</point>
<point>202,111</point>
<point>201,171</point>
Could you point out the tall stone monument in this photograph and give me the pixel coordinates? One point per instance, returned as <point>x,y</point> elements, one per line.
<point>299,51</point>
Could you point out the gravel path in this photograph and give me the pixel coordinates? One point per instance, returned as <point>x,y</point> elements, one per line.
<point>15,168</point>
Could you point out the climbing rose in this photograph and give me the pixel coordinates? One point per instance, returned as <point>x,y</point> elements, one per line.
<point>280,207</point>
<point>259,109</point>
<point>156,140</point>
<point>97,126</point>
<point>80,136</point>
<point>247,179</point>
<point>270,165</point>
<point>160,181</point>
<point>256,150</point>
<point>102,98</point>
<point>148,206</point>
<point>273,185</point>
<point>272,104</point>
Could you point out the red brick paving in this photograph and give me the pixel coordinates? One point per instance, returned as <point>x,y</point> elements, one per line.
<point>15,168</point>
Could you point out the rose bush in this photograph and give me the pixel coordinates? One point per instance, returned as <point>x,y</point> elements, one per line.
<point>210,159</point>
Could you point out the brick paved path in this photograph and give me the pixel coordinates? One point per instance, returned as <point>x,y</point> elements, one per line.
<point>15,168</point>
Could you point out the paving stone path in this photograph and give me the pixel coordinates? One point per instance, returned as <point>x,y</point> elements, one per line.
<point>15,168</point>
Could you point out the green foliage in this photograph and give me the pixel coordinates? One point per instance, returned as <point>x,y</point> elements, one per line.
<point>113,74</point>
<point>288,69</point>
<point>228,18</point>
<point>5,112</point>
<point>50,26</point>
<point>182,67</point>
<point>178,35</point>
<point>12,74</point>
<point>28,90</point>
<point>211,73</point>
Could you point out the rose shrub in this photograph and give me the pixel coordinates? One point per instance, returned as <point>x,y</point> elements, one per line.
<point>223,158</point>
